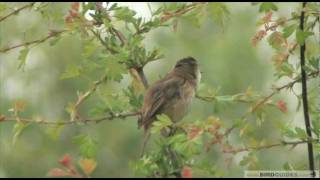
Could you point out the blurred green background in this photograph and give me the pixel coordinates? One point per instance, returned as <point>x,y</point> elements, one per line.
<point>227,59</point>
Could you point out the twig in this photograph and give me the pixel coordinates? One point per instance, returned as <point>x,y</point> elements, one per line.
<point>305,93</point>
<point>112,51</point>
<point>120,36</point>
<point>221,99</point>
<point>85,96</point>
<point>142,77</point>
<point>68,122</point>
<point>16,11</point>
<point>282,143</point>
<point>50,35</point>
<point>264,99</point>
<point>278,89</point>
<point>168,16</point>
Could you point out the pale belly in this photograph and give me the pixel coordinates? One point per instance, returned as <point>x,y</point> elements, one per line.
<point>182,105</point>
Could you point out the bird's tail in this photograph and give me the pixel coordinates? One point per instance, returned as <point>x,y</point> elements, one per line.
<point>146,138</point>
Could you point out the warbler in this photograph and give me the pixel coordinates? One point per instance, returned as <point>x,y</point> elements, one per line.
<point>171,95</point>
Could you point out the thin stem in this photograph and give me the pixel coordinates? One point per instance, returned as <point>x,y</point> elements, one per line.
<point>68,122</point>
<point>265,98</point>
<point>256,148</point>
<point>142,77</point>
<point>49,36</point>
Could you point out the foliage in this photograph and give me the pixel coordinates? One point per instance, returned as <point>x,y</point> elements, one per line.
<point>113,50</point>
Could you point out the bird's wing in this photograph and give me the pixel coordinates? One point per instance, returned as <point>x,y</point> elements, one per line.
<point>160,97</point>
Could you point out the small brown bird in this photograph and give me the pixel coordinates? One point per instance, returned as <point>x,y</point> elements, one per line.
<point>171,95</point>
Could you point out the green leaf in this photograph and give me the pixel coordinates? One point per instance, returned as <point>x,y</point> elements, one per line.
<point>301,36</point>
<point>3,7</point>
<point>267,6</point>
<point>115,70</point>
<point>288,132</point>
<point>71,72</point>
<point>55,40</point>
<point>285,69</point>
<point>23,57</point>
<point>288,167</point>
<point>316,125</point>
<point>196,17</point>
<point>115,102</point>
<point>89,48</point>
<point>87,145</point>
<point>315,63</point>
<point>54,132</point>
<point>135,100</point>
<point>125,14</point>
<point>17,131</point>
<point>301,133</point>
<point>288,30</point>
<point>218,12</point>
<point>276,40</point>
<point>163,121</point>
<point>255,3</point>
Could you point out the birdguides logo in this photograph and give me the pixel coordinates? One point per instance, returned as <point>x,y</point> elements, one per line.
<point>281,174</point>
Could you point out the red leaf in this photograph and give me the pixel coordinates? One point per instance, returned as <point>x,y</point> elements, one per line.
<point>75,6</point>
<point>73,14</point>
<point>66,160</point>
<point>194,132</point>
<point>68,20</point>
<point>257,37</point>
<point>56,172</point>
<point>2,117</point>
<point>186,172</point>
<point>88,165</point>
<point>282,106</point>
<point>267,17</point>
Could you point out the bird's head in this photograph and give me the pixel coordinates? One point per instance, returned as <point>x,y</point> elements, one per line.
<point>189,67</point>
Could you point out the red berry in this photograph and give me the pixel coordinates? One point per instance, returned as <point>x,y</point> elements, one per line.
<point>186,172</point>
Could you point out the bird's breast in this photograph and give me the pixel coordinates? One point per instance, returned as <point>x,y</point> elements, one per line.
<point>181,107</point>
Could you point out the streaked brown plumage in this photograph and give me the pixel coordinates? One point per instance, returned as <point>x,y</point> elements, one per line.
<point>171,95</point>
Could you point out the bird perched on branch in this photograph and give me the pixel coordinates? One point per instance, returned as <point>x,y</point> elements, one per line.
<point>171,95</point>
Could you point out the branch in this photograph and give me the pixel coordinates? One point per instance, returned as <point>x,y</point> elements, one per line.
<point>49,36</point>
<point>278,89</point>
<point>305,93</point>
<point>85,96</point>
<point>168,16</point>
<point>109,117</point>
<point>178,12</point>
<point>16,11</point>
<point>264,100</point>
<point>282,143</point>
<point>142,77</point>
<point>112,51</point>
<point>224,99</point>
